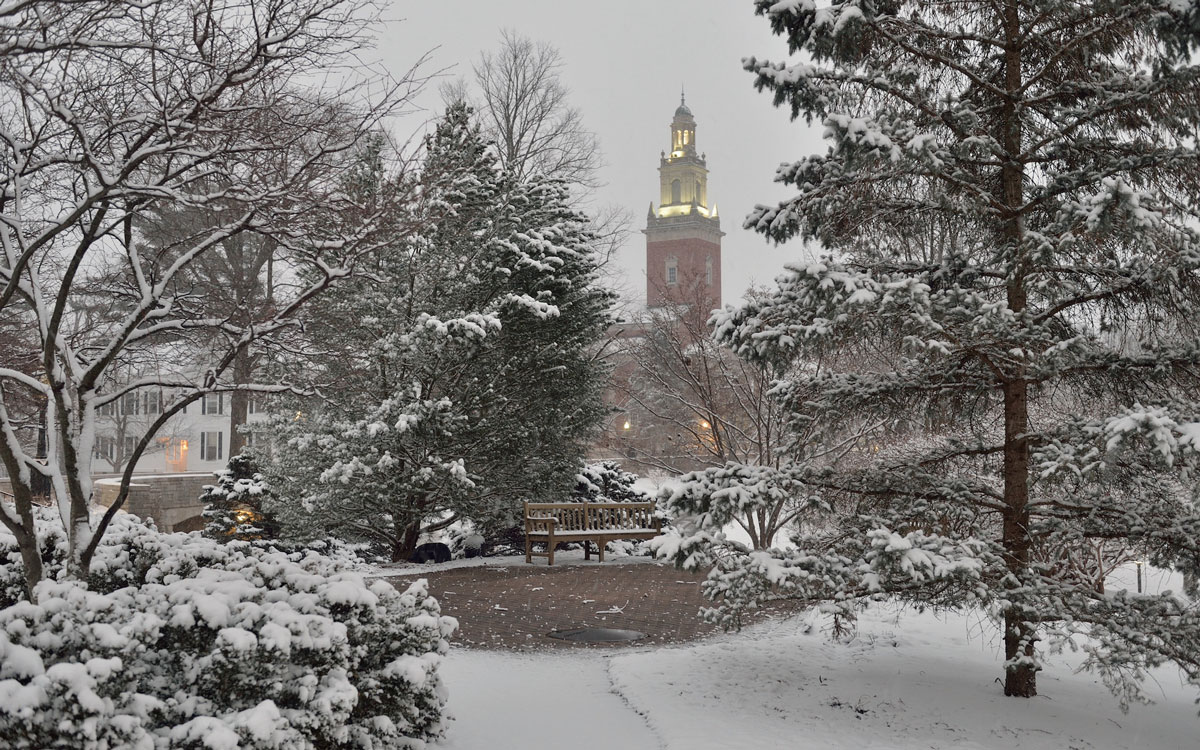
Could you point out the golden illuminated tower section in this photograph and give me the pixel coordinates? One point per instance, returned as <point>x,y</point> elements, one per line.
<point>683,236</point>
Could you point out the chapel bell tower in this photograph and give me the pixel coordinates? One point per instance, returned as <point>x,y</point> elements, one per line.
<point>683,235</point>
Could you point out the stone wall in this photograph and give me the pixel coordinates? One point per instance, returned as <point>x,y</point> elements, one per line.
<point>172,500</point>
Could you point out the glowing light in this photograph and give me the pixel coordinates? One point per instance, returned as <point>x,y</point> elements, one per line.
<point>626,425</point>
<point>704,423</point>
<point>681,210</point>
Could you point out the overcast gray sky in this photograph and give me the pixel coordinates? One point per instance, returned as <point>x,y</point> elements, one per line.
<point>624,62</point>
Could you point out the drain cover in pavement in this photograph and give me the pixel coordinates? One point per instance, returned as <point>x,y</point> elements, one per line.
<point>597,635</point>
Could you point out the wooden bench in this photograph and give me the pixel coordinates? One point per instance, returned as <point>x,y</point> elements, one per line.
<point>551,523</point>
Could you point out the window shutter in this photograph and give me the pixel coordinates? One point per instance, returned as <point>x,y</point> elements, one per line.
<point>220,445</point>
<point>203,410</point>
<point>220,404</point>
<point>203,441</point>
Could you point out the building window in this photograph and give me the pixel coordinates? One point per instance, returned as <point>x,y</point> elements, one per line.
<point>212,446</point>
<point>130,444</point>
<point>672,271</point>
<point>107,410</point>
<point>129,404</point>
<point>676,192</point>
<point>708,270</point>
<point>213,403</point>
<point>153,403</point>
<point>698,197</point>
<point>105,448</point>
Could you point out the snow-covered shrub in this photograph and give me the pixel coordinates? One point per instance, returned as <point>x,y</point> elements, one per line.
<point>762,500</point>
<point>463,539</point>
<point>183,642</point>
<point>607,482</point>
<point>233,507</point>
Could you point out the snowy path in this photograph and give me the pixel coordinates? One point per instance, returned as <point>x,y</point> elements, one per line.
<point>909,681</point>
<point>509,701</point>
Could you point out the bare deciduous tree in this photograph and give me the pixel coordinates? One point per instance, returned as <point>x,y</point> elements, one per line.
<point>524,105</point>
<point>115,110</point>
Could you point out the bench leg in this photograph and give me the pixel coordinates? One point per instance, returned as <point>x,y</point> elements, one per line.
<point>600,547</point>
<point>528,550</point>
<point>587,551</point>
<point>550,552</point>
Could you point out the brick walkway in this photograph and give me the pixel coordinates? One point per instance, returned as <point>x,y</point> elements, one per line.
<point>514,606</point>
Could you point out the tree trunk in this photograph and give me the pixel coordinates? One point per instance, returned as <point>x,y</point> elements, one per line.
<point>31,560</point>
<point>79,524</point>
<point>239,403</point>
<point>26,536</point>
<point>407,544</point>
<point>1020,676</point>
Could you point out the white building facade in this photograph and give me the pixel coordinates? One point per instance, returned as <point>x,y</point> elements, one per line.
<point>197,439</point>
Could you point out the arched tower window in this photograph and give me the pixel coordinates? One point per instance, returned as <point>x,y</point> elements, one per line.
<point>676,192</point>
<point>699,194</point>
<point>672,271</point>
<point>708,270</point>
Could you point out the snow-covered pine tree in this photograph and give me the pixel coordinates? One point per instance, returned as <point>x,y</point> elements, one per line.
<point>233,507</point>
<point>607,482</point>
<point>1009,202</point>
<point>462,376</point>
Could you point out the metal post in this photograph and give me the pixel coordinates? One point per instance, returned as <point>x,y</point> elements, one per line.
<point>39,484</point>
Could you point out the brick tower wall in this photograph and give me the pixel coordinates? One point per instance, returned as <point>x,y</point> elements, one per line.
<point>690,254</point>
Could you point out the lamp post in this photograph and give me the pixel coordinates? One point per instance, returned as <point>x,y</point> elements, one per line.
<point>39,483</point>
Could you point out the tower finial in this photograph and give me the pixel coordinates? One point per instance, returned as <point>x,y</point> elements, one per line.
<point>682,99</point>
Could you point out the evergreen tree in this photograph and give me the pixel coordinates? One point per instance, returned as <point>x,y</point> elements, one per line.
<point>607,482</point>
<point>233,507</point>
<point>1009,200</point>
<point>461,378</point>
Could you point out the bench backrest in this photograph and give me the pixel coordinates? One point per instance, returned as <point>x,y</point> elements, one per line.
<point>594,516</point>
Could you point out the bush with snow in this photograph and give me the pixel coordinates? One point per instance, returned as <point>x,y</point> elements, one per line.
<point>607,482</point>
<point>181,642</point>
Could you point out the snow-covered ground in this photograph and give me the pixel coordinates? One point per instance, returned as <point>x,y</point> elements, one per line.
<point>502,700</point>
<point>908,681</point>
